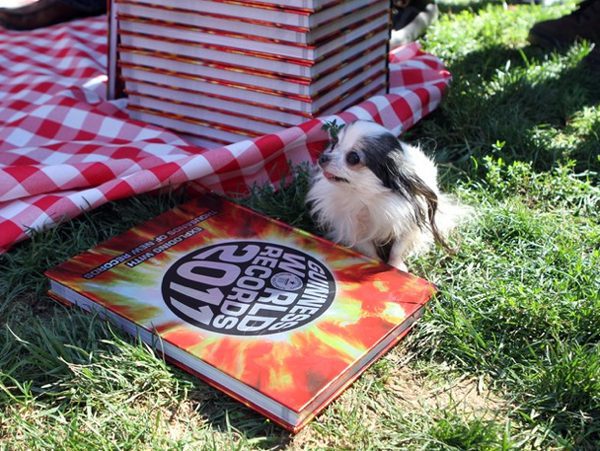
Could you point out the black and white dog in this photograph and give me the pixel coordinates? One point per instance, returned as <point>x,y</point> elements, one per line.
<point>379,195</point>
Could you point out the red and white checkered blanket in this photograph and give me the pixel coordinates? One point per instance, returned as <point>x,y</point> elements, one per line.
<point>65,149</point>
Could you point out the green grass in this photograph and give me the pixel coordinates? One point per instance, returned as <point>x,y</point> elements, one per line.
<point>508,355</point>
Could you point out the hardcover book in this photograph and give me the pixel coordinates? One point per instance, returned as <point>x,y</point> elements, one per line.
<point>244,92</point>
<point>135,26</point>
<point>207,133</point>
<point>306,5</point>
<point>203,111</point>
<point>251,59</point>
<point>253,109</point>
<point>268,13</point>
<point>260,79</point>
<point>229,70</point>
<point>217,23</point>
<point>277,318</point>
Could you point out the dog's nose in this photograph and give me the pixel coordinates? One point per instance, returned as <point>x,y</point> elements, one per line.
<point>324,158</point>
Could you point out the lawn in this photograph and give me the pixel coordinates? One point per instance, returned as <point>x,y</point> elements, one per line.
<point>507,356</point>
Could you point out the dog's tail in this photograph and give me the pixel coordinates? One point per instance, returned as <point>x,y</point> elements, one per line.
<point>448,214</point>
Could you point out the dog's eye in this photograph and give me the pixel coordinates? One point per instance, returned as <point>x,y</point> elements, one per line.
<point>352,158</point>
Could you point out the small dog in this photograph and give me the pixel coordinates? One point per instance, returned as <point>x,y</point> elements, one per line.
<point>379,195</point>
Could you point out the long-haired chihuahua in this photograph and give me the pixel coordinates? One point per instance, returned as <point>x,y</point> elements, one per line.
<point>379,195</point>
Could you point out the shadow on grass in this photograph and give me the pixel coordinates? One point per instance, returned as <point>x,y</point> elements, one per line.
<point>510,103</point>
<point>225,414</point>
<point>587,153</point>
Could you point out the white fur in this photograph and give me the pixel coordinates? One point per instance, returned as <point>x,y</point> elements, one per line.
<point>362,211</point>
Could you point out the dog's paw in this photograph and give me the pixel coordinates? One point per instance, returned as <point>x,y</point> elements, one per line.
<point>398,263</point>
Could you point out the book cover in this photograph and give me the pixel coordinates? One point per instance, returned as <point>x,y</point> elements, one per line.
<point>277,318</point>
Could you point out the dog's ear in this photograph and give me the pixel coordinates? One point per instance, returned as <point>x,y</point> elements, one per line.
<point>417,189</point>
<point>383,156</point>
<point>385,159</point>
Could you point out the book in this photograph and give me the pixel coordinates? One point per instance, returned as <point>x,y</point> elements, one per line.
<point>251,59</point>
<point>203,133</point>
<point>206,133</point>
<point>215,117</point>
<point>222,103</point>
<point>213,46</point>
<point>243,92</point>
<point>264,12</point>
<point>303,5</point>
<point>251,27</point>
<point>210,116</point>
<point>158,28</point>
<point>259,79</point>
<point>260,126</point>
<point>227,70</point>
<point>277,318</point>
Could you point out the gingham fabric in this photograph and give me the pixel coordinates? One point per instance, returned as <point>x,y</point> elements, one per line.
<point>65,149</point>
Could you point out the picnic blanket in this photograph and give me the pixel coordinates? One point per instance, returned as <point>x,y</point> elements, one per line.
<point>64,148</point>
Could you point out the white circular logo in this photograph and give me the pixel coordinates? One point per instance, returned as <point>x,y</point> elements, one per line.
<point>286,281</point>
<point>248,288</point>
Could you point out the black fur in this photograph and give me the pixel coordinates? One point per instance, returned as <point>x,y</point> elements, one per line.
<point>384,250</point>
<point>383,156</point>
